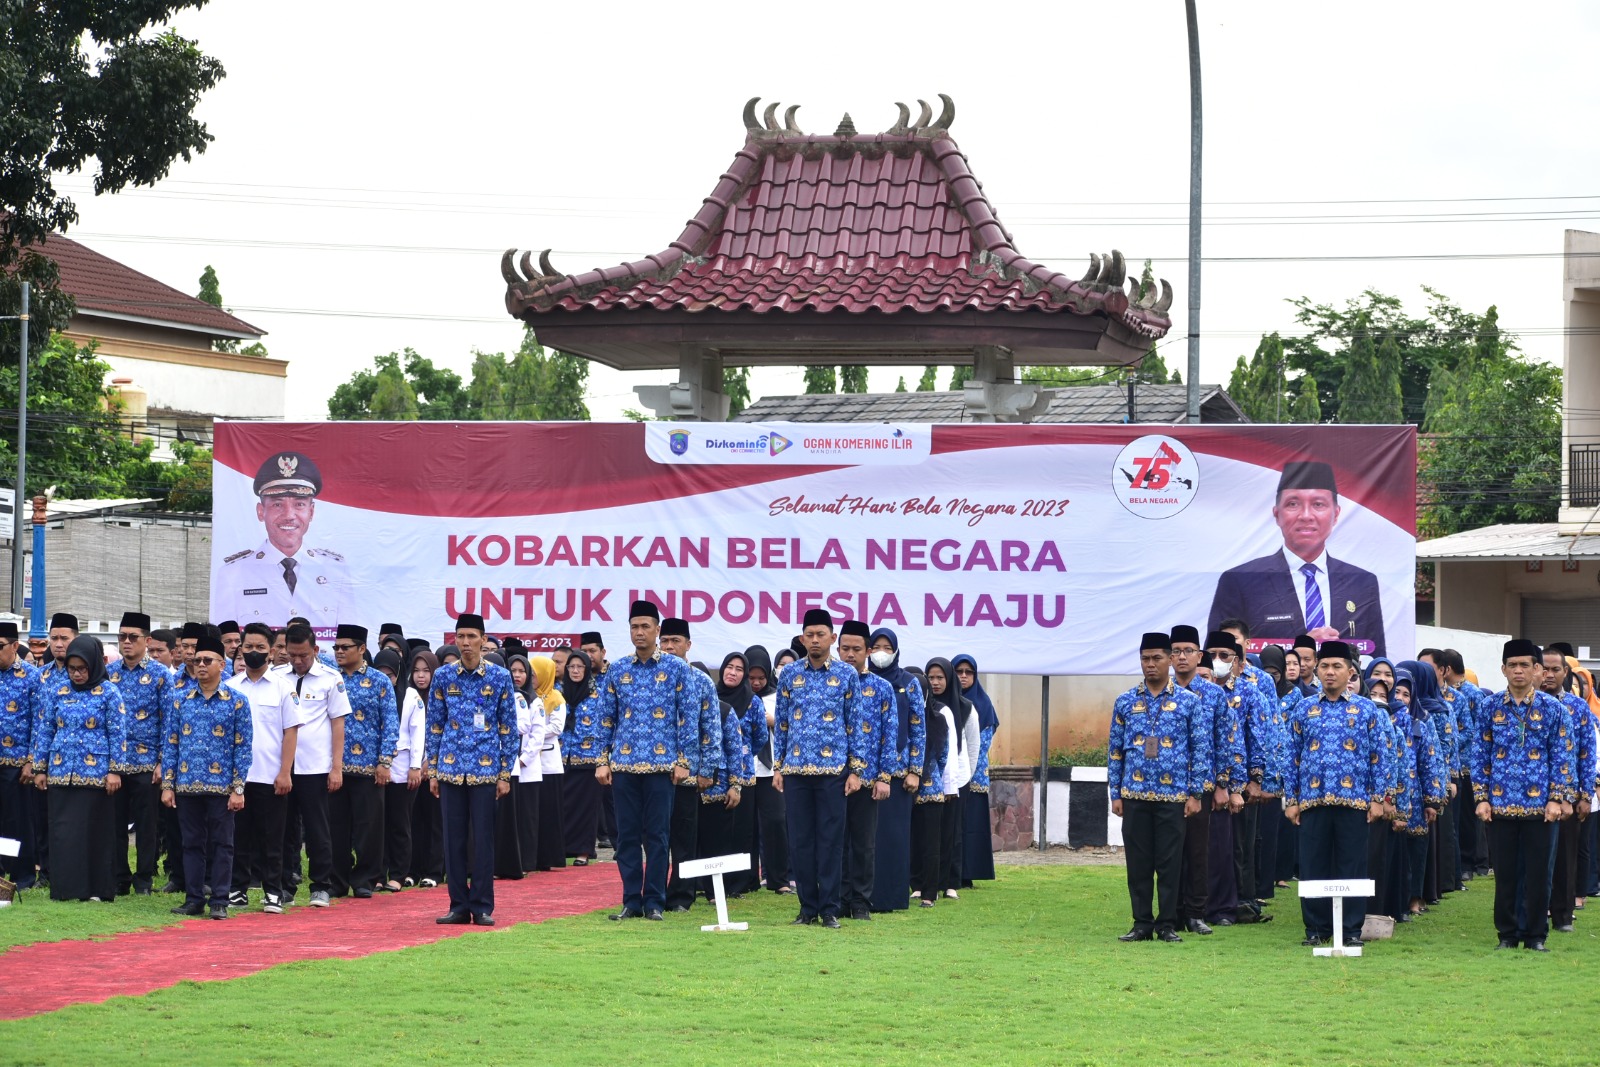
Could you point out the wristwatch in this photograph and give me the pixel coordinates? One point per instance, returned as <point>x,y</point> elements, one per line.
<point>238,790</point>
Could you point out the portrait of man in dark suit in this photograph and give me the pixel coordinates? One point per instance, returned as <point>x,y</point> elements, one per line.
<point>1300,588</point>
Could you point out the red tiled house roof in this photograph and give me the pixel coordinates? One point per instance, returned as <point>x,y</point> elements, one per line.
<point>850,247</point>
<point>102,286</point>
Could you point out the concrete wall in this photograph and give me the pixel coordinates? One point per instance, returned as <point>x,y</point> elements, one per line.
<point>99,570</point>
<point>1487,595</point>
<point>181,377</point>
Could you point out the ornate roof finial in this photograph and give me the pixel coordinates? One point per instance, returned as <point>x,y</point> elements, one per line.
<point>847,128</point>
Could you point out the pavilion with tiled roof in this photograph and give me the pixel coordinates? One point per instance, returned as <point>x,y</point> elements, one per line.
<point>847,248</point>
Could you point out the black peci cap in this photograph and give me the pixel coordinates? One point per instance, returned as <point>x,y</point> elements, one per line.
<point>817,617</point>
<point>1307,474</point>
<point>350,630</point>
<point>1520,646</point>
<point>1185,633</point>
<point>643,609</point>
<point>1155,641</point>
<point>674,628</point>
<point>136,619</point>
<point>63,620</point>
<point>855,628</point>
<point>591,637</point>
<point>469,621</point>
<point>1337,650</point>
<point>1224,639</point>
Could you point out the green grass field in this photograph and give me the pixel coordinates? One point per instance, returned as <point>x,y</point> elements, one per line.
<point>1025,970</point>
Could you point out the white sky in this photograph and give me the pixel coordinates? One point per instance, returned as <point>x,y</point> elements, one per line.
<point>372,160</point>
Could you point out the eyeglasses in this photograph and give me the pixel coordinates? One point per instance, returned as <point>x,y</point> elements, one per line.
<point>129,637</point>
<point>206,661</point>
<point>964,670</point>
<point>343,648</point>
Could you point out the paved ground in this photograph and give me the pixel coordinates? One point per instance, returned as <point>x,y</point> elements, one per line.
<point>1061,856</point>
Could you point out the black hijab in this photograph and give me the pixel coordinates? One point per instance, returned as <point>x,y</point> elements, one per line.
<point>576,693</point>
<point>92,652</point>
<point>1273,657</point>
<point>779,663</point>
<point>988,718</point>
<point>391,659</point>
<point>960,707</point>
<point>529,689</point>
<point>757,656</point>
<point>737,697</point>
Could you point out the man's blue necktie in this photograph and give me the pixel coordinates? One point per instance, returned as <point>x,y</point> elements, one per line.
<point>1314,614</point>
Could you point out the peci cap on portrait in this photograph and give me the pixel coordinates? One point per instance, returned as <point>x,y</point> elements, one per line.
<point>1307,474</point>
<point>288,474</point>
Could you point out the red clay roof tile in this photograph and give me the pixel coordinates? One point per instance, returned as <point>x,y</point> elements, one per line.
<point>100,283</point>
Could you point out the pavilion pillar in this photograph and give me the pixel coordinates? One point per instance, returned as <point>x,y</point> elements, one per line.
<point>993,394</point>
<point>697,395</point>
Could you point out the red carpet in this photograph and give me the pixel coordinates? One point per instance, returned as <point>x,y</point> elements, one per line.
<point>200,950</point>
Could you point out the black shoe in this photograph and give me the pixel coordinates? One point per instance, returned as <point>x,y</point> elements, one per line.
<point>362,894</point>
<point>187,908</point>
<point>170,887</point>
<point>677,908</point>
<point>1405,917</point>
<point>218,911</point>
<point>1197,926</point>
<point>1312,941</point>
<point>1535,946</point>
<point>1563,928</point>
<point>483,918</point>
<point>1353,942</point>
<point>1505,943</point>
<point>626,913</point>
<point>142,892</point>
<point>455,918</point>
<point>830,922</point>
<point>1137,934</point>
<point>654,915</point>
<point>861,916</point>
<point>1169,935</point>
<point>1224,921</point>
<point>803,920</point>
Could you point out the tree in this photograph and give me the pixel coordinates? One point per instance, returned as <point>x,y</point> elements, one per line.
<point>393,399</point>
<point>438,393</point>
<point>1369,391</point>
<point>1258,387</point>
<point>1305,407</point>
<point>960,377</point>
<point>852,379</point>
<point>97,81</point>
<point>736,384</point>
<point>900,388</point>
<point>820,381</point>
<point>211,293</point>
<point>927,384</point>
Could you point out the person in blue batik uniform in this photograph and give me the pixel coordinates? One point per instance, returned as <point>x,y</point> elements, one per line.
<point>471,751</point>
<point>892,872</point>
<point>1158,761</point>
<point>19,682</point>
<point>977,838</point>
<point>707,760</point>
<point>1422,799</point>
<point>649,743</point>
<point>1223,789</point>
<point>722,802</point>
<point>143,684</point>
<point>1578,743</point>
<point>876,719</point>
<point>1231,862</point>
<point>205,758</point>
<point>580,750</point>
<point>371,733</point>
<point>1517,785</point>
<point>81,735</point>
<point>1337,783</point>
<point>817,749</point>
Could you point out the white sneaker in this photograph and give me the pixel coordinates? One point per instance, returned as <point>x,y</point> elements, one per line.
<point>319,899</point>
<point>271,905</point>
<point>951,894</point>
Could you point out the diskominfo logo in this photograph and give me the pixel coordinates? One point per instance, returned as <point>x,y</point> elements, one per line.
<point>1155,476</point>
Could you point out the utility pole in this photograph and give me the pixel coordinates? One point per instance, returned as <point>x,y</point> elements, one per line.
<point>22,457</point>
<point>1193,380</point>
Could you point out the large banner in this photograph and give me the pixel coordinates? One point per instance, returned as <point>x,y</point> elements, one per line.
<point>1037,549</point>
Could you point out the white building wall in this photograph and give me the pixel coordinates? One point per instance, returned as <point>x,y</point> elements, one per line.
<point>213,391</point>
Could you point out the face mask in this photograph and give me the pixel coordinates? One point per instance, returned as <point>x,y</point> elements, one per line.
<point>255,660</point>
<point>1221,669</point>
<point>882,659</point>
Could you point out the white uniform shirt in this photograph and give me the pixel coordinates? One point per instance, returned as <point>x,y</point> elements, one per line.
<point>252,586</point>
<point>320,698</point>
<point>769,704</point>
<point>272,711</point>
<point>413,733</point>
<point>953,757</point>
<point>530,724</point>
<point>963,757</point>
<point>555,721</point>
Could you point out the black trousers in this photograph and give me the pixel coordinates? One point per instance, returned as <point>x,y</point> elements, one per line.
<point>1378,842</point>
<point>258,840</point>
<point>311,802</point>
<point>39,816</point>
<point>713,837</point>
<point>1523,842</point>
<point>1152,840</point>
<point>814,804</point>
<point>551,852</point>
<point>772,825</point>
<point>925,823</point>
<point>742,826</point>
<point>860,845</point>
<point>1471,840</point>
<point>81,832</point>
<point>355,823</point>
<point>16,822</point>
<point>136,803</point>
<point>1269,826</point>
<point>399,800</point>
<point>1333,844</point>
<point>1449,844</point>
<point>608,815</point>
<point>951,852</point>
<point>468,811</point>
<point>530,822</point>
<point>1245,825</point>
<point>207,828</point>
<point>682,840</point>
<point>1194,884</point>
<point>580,810</point>
<point>1564,882</point>
<point>427,836</point>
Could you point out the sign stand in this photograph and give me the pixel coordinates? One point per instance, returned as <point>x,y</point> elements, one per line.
<point>1338,889</point>
<point>716,867</point>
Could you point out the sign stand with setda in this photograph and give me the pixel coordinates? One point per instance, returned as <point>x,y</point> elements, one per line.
<point>1338,889</point>
<point>716,867</point>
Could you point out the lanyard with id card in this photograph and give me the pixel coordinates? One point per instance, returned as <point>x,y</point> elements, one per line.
<point>479,722</point>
